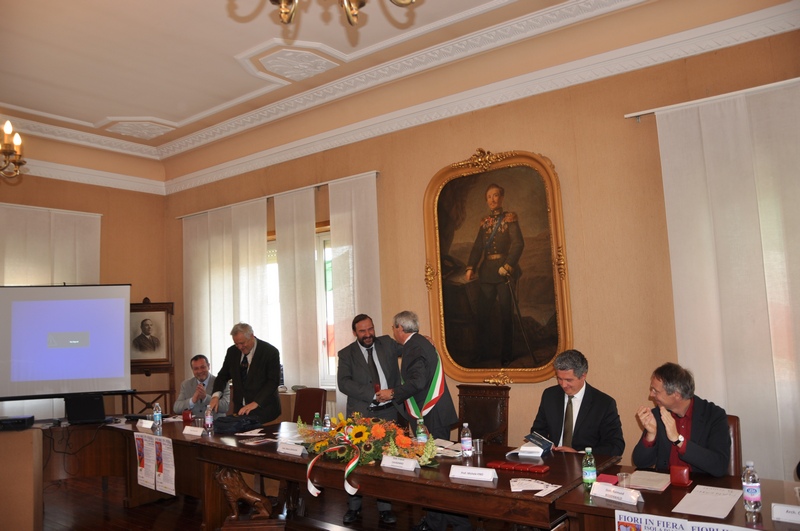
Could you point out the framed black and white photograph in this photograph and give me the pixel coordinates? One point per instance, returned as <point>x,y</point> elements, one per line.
<point>151,334</point>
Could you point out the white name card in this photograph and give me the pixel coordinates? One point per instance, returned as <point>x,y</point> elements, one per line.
<point>146,424</point>
<point>473,472</point>
<point>400,463</point>
<point>786,513</point>
<point>193,430</point>
<point>618,494</point>
<point>290,449</point>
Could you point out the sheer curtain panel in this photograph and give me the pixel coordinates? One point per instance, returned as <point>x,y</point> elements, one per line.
<point>39,247</point>
<point>356,257</point>
<point>224,277</point>
<point>295,236</point>
<point>731,190</point>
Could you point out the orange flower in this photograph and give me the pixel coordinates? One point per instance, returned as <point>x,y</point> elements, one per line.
<point>378,432</point>
<point>402,441</point>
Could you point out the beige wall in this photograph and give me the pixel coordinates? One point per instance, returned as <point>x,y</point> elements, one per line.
<point>610,176</point>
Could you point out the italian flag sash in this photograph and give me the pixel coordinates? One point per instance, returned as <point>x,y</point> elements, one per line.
<point>434,393</point>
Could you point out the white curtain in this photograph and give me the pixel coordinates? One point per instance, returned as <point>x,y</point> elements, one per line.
<point>731,187</point>
<point>224,281</point>
<point>39,247</point>
<point>295,236</point>
<point>356,257</point>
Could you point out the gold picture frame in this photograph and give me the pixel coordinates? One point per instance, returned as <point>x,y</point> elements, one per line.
<point>471,311</point>
<point>154,351</point>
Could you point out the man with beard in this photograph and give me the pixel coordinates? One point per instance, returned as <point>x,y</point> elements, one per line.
<point>366,366</point>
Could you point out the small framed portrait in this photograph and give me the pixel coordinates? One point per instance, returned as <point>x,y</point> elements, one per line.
<point>151,334</point>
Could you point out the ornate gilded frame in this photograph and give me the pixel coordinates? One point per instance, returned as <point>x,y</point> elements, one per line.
<point>533,194</point>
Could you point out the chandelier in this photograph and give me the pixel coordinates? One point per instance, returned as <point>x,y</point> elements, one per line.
<point>350,7</point>
<point>12,152</point>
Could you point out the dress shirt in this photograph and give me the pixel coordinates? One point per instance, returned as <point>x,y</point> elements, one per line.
<point>377,365</point>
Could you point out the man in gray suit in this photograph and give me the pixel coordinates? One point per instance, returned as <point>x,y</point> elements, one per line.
<point>366,366</point>
<point>194,395</point>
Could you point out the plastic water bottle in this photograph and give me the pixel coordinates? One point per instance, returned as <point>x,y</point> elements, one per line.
<point>589,469</point>
<point>422,432</point>
<point>326,423</point>
<point>208,424</point>
<point>157,415</point>
<point>466,441</point>
<point>751,487</point>
<point>316,425</point>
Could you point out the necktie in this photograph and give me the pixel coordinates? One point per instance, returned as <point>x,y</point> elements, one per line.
<point>373,370</point>
<point>243,368</point>
<point>568,424</point>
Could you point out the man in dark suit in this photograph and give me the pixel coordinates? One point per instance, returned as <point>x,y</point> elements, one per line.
<point>683,429</point>
<point>366,366</point>
<point>421,372</point>
<point>255,368</point>
<point>574,415</point>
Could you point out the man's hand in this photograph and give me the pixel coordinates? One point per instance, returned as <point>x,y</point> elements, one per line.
<point>503,271</point>
<point>199,393</point>
<point>566,449</point>
<point>248,408</point>
<point>669,424</point>
<point>648,421</point>
<point>469,275</point>
<point>385,395</point>
<point>214,404</point>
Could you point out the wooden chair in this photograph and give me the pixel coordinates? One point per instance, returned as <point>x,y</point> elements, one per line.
<point>485,407</point>
<point>735,464</point>
<point>309,400</point>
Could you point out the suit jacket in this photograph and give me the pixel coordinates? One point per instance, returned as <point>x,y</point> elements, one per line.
<point>708,449</point>
<point>263,378</point>
<point>419,367</point>
<point>354,379</point>
<point>199,408</point>
<point>597,424</point>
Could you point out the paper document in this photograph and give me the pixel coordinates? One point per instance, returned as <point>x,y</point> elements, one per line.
<point>708,501</point>
<point>644,480</point>
<point>528,450</point>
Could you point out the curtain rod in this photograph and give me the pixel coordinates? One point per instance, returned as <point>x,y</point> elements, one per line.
<point>325,183</point>
<point>751,90</point>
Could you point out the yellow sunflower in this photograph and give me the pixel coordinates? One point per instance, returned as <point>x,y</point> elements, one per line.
<point>359,434</point>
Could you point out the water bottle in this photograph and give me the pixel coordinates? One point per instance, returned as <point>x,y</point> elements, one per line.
<point>326,423</point>
<point>422,432</point>
<point>589,469</point>
<point>157,415</point>
<point>209,421</point>
<point>316,425</point>
<point>751,487</point>
<point>466,441</point>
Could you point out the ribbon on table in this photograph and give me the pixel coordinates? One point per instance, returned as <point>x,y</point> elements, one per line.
<point>344,442</point>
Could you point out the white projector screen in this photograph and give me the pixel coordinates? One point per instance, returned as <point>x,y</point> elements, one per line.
<point>60,340</point>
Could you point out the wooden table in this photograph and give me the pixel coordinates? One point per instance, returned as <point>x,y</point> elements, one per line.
<point>597,514</point>
<point>427,487</point>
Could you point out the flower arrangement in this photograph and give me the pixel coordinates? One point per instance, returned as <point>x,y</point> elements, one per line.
<point>361,440</point>
<point>366,438</point>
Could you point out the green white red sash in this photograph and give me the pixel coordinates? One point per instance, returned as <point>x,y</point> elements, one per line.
<point>434,393</point>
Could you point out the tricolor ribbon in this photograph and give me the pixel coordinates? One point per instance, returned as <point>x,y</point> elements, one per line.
<point>435,392</point>
<point>351,465</point>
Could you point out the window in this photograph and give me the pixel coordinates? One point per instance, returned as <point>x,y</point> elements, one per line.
<point>327,348</point>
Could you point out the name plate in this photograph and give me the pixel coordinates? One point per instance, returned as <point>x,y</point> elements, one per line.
<point>618,494</point>
<point>290,449</point>
<point>193,430</point>
<point>146,424</point>
<point>473,472</point>
<point>400,463</point>
<point>786,513</point>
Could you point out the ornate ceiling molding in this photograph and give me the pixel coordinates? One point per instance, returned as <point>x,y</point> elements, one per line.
<point>751,27</point>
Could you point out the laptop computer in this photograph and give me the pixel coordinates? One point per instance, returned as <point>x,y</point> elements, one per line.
<point>85,409</point>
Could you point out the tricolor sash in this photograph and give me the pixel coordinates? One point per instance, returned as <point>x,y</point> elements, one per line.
<point>434,393</point>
